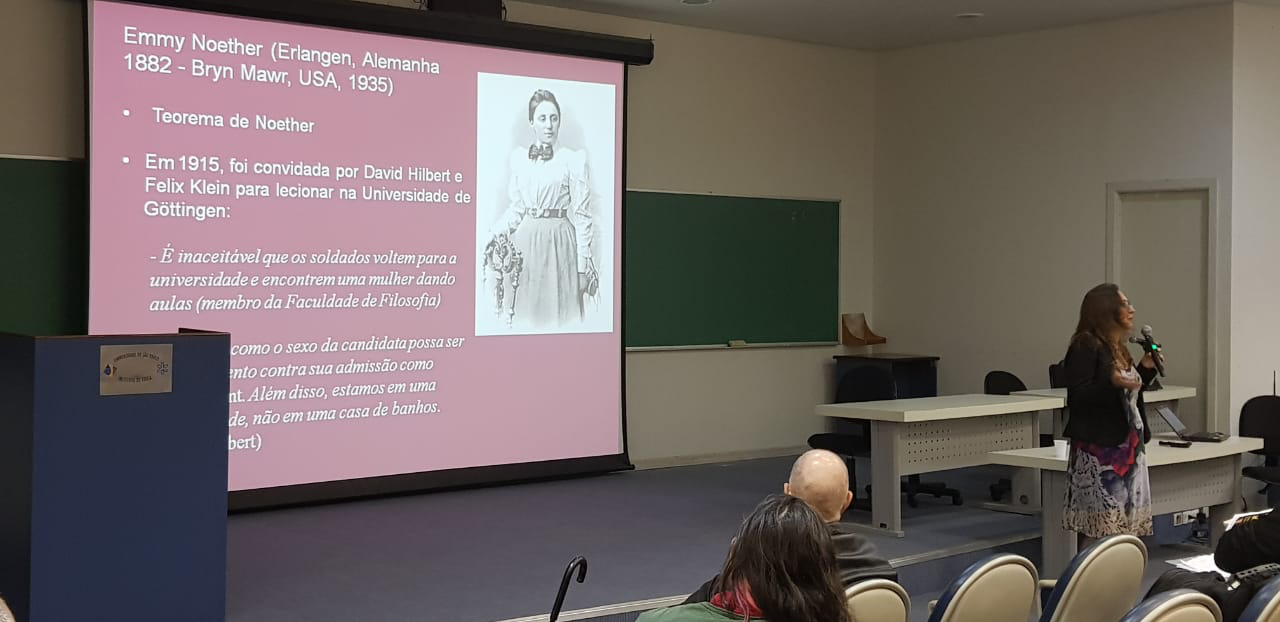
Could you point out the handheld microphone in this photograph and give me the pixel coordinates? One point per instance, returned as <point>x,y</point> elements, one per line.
<point>1149,346</point>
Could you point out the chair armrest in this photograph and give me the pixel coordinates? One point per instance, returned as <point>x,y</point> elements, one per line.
<point>932,604</point>
<point>1048,584</point>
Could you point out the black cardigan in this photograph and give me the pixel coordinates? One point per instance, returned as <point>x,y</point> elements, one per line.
<point>1250,543</point>
<point>1096,412</point>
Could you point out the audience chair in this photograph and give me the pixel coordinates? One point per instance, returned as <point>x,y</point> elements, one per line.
<point>1260,418</point>
<point>1176,606</point>
<point>5,614</point>
<point>1101,584</point>
<point>1001,588</point>
<point>1265,604</point>
<point>877,600</point>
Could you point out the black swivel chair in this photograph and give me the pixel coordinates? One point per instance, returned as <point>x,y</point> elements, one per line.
<point>861,384</point>
<point>1002,383</point>
<point>1260,418</point>
<point>867,384</point>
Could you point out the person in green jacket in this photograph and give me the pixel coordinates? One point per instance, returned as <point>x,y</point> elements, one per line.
<point>780,568</point>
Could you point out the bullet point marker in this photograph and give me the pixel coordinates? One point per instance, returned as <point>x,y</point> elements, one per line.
<point>126,112</point>
<point>125,159</point>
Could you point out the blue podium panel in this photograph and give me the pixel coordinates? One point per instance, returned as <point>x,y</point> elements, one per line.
<point>128,492</point>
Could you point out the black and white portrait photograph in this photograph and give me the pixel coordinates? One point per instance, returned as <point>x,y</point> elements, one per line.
<point>545,188</point>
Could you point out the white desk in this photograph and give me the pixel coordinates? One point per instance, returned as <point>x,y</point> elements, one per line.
<point>1205,474</point>
<point>1168,396</point>
<point>926,434</point>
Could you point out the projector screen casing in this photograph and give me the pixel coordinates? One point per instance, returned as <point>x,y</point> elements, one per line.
<point>440,26</point>
<point>384,19</point>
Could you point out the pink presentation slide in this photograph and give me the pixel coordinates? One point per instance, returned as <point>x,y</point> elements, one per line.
<point>414,244</point>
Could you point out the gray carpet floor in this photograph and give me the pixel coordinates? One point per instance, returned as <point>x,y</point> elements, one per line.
<point>498,553</point>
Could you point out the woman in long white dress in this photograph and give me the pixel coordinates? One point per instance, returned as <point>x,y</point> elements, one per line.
<point>549,222</point>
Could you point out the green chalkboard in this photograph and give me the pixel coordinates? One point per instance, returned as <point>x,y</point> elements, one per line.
<point>705,270</point>
<point>700,270</point>
<point>44,237</point>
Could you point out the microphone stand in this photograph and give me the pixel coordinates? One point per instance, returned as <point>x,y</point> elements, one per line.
<point>1155,385</point>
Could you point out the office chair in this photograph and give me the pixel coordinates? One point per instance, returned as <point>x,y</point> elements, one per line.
<point>1003,383</point>
<point>860,384</point>
<point>1176,606</point>
<point>1101,584</point>
<point>868,384</point>
<point>1260,418</point>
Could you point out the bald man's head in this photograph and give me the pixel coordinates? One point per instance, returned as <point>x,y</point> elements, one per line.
<point>821,479</point>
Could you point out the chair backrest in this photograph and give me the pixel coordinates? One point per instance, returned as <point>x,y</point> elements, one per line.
<point>5,614</point>
<point>1057,376</point>
<point>1001,588</point>
<point>877,600</point>
<point>866,384</point>
<point>1265,604</point>
<point>1260,418</point>
<point>1176,606</point>
<point>1101,584</point>
<point>1001,383</point>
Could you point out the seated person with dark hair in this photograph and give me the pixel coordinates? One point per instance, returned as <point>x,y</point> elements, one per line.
<point>821,479</point>
<point>1252,542</point>
<point>780,568</point>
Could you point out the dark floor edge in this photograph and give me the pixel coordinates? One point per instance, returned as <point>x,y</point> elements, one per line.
<point>605,610</point>
<point>976,545</point>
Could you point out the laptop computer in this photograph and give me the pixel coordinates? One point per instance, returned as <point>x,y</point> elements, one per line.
<point>1181,430</point>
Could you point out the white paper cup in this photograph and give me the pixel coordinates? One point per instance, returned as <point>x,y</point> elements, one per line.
<point>1060,447</point>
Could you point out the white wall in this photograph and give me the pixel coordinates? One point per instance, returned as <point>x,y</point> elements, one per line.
<point>715,112</point>
<point>1255,255</point>
<point>734,114</point>
<point>992,161</point>
<point>42,67</point>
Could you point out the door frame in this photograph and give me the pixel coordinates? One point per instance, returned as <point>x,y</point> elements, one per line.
<point>1218,287</point>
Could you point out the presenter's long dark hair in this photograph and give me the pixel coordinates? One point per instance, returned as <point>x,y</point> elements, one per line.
<point>784,557</point>
<point>1099,324</point>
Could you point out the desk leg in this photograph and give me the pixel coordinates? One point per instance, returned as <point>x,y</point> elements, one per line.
<point>1059,422</point>
<point>886,477</point>
<point>1057,545</point>
<point>1219,514</point>
<point>1025,491</point>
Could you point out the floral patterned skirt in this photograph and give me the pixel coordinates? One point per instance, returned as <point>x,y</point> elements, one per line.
<point>1108,492</point>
